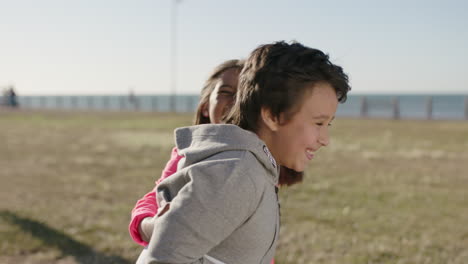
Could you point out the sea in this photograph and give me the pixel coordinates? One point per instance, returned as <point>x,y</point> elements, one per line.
<point>402,106</point>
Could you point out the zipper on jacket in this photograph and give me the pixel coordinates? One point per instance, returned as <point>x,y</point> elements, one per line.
<point>277,226</point>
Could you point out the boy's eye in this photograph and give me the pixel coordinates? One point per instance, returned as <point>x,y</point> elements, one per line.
<point>321,124</point>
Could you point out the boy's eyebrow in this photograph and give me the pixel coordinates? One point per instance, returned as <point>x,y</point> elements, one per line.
<point>323,117</point>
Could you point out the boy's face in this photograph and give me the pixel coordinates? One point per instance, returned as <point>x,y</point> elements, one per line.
<point>294,143</point>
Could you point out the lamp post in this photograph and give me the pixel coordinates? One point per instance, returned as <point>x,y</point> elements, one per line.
<point>174,53</point>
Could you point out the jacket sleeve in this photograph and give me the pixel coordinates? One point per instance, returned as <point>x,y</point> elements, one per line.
<point>216,200</point>
<point>171,165</point>
<point>147,205</point>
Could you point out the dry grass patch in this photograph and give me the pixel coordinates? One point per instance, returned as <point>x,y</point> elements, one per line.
<point>383,192</point>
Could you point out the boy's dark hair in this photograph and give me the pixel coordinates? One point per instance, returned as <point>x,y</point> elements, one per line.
<point>209,86</point>
<point>276,76</point>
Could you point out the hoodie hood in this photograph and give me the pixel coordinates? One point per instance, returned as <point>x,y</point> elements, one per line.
<point>199,142</point>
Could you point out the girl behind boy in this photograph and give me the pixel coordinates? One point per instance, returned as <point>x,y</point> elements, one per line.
<point>217,97</point>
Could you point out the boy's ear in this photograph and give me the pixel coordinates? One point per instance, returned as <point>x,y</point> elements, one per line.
<point>270,120</point>
<point>205,110</point>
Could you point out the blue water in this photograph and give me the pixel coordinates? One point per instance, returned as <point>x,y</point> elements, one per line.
<point>156,103</point>
<point>409,106</point>
<point>378,106</point>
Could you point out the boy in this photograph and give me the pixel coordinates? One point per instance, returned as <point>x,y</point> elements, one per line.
<point>221,206</point>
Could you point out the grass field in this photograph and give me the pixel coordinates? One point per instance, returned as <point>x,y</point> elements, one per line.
<point>383,192</point>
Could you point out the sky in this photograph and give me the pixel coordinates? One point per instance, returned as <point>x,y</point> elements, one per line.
<point>104,47</point>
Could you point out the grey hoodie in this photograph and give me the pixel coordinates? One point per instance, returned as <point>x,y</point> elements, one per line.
<point>223,204</point>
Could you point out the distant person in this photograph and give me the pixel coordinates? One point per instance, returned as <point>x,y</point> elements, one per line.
<point>133,100</point>
<point>221,205</point>
<point>9,98</point>
<point>12,100</point>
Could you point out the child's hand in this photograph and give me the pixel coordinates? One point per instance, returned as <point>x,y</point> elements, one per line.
<point>146,228</point>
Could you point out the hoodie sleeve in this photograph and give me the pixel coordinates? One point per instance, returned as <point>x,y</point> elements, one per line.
<point>216,200</point>
<point>147,206</point>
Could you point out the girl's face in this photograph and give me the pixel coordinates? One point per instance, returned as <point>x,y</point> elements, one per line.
<point>295,142</point>
<point>223,96</point>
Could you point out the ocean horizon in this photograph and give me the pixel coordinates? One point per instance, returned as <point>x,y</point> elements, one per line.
<point>404,106</point>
